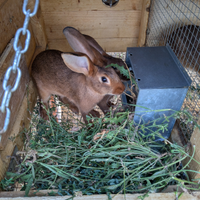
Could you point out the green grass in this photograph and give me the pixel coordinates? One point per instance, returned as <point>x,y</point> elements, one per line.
<point>122,160</point>
<point>67,157</point>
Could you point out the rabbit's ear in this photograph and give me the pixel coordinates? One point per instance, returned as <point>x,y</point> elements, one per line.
<point>92,42</point>
<point>78,63</point>
<point>78,42</point>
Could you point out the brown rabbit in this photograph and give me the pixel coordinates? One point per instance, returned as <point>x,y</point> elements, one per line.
<point>86,44</point>
<point>75,79</point>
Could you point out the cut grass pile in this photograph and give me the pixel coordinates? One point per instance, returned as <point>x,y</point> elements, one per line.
<point>109,156</point>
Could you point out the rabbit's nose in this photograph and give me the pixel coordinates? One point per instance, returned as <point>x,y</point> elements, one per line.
<point>119,89</point>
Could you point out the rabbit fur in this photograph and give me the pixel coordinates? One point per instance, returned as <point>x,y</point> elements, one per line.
<point>75,79</point>
<point>88,45</point>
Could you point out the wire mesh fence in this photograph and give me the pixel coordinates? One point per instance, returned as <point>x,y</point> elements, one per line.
<point>177,23</point>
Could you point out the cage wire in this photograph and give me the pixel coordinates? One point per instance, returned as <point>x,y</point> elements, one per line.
<point>176,23</point>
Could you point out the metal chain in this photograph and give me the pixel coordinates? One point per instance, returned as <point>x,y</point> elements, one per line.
<point>8,89</point>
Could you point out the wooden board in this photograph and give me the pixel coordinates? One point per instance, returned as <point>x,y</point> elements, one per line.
<point>63,45</point>
<point>106,25</point>
<point>152,196</point>
<point>11,18</point>
<point>195,141</point>
<point>144,22</point>
<point>37,24</point>
<point>22,121</point>
<point>17,96</point>
<point>61,6</point>
<point>40,193</point>
<point>177,136</point>
<point>97,29</point>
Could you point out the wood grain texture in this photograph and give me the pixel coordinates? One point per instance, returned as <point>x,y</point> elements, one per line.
<point>151,196</point>
<point>16,97</point>
<point>95,23</point>
<point>11,18</point>
<point>108,44</point>
<point>43,193</point>
<point>195,141</point>
<point>105,24</point>
<point>96,29</point>
<point>87,5</point>
<point>22,121</point>
<point>6,60</point>
<point>177,136</point>
<point>38,27</point>
<point>144,22</point>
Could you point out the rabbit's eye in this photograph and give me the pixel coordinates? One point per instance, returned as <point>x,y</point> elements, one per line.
<point>104,79</point>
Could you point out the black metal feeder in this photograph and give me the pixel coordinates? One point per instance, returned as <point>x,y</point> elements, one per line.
<point>162,84</point>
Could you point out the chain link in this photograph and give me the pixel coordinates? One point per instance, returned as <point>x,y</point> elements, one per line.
<point>16,60</point>
<point>34,10</point>
<point>7,76</point>
<point>8,90</point>
<point>5,98</point>
<point>27,41</point>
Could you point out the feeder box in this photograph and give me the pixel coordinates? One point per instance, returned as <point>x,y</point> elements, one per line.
<point>162,84</point>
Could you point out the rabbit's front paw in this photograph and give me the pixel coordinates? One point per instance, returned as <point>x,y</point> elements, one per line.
<point>43,114</point>
<point>94,113</point>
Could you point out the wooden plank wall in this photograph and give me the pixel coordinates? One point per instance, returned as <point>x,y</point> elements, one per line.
<point>12,18</point>
<point>144,22</point>
<point>114,28</point>
<point>43,195</point>
<point>17,96</point>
